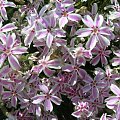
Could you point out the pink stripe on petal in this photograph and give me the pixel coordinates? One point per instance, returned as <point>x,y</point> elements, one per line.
<point>49,40</point>
<point>4,70</point>
<point>74,17</point>
<point>104,41</point>
<point>56,100</point>
<point>98,20</point>
<point>95,92</point>
<point>2,59</point>
<point>73,79</point>
<point>59,33</point>
<point>70,8</point>
<point>20,87</point>
<point>38,99</point>
<point>6,94</point>
<point>13,62</point>
<point>77,114</point>
<point>54,64</point>
<point>68,68</point>
<point>48,72</point>
<point>95,60</point>
<point>14,101</point>
<point>48,105</point>
<point>84,32</point>
<point>104,31</point>
<point>104,60</point>
<point>8,27</point>
<point>10,41</point>
<point>29,38</point>
<point>91,42</point>
<point>63,21</point>
<point>86,88</point>
<point>44,88</point>
<point>37,68</point>
<point>42,34</point>
<point>116,61</point>
<point>1,47</point>
<point>19,50</point>
<point>88,21</point>
<point>112,100</point>
<point>115,89</point>
<point>88,79</point>
<point>4,13</point>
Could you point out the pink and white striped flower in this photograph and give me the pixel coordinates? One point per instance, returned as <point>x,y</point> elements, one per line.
<point>101,54</point>
<point>45,64</point>
<point>9,49</point>
<point>67,14</point>
<point>48,97</point>
<point>95,30</point>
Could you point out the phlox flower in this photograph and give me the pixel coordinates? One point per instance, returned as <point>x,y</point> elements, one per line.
<point>82,109</point>
<point>94,85</point>
<point>13,93</point>
<point>9,49</point>
<point>95,30</point>
<point>101,54</point>
<point>49,30</point>
<point>67,14</point>
<point>44,65</point>
<point>48,97</point>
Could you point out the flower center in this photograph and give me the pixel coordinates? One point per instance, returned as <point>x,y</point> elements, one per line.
<point>14,93</point>
<point>44,63</point>
<point>48,96</point>
<point>64,14</point>
<point>95,30</point>
<point>7,51</point>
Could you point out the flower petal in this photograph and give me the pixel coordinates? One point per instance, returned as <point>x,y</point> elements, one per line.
<point>63,21</point>
<point>86,88</point>
<point>56,100</point>
<point>73,78</point>
<point>104,41</point>
<point>83,32</point>
<point>19,50</point>
<point>13,62</point>
<point>77,114</point>
<point>88,21</point>
<point>95,92</point>
<point>95,60</point>
<point>29,38</point>
<point>68,68</point>
<point>8,27</point>
<point>4,13</point>
<point>74,17</point>
<point>44,88</point>
<point>48,72</point>
<point>38,99</point>
<point>2,59</point>
<point>42,33</point>
<point>6,94</point>
<point>49,40</point>
<point>91,42</point>
<point>98,20</point>
<point>48,105</point>
<point>115,89</point>
<point>14,101</point>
